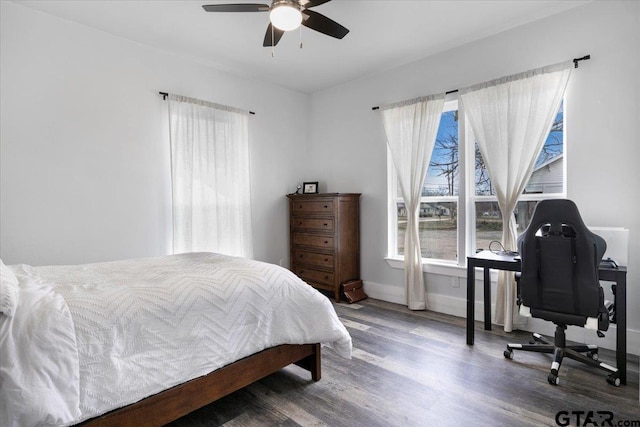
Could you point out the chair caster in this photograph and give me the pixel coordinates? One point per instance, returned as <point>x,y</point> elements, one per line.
<point>508,354</point>
<point>553,379</point>
<point>594,355</point>
<point>613,380</point>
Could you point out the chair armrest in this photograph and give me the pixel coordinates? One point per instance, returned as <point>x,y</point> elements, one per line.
<point>517,275</point>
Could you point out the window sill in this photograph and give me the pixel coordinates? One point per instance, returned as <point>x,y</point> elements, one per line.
<point>433,267</point>
<point>442,268</point>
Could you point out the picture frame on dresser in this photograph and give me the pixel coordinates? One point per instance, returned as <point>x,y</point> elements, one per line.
<point>310,188</point>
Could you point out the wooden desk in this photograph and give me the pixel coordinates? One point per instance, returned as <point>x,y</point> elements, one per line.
<point>488,260</point>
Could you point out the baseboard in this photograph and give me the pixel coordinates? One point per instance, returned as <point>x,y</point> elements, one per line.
<point>458,307</point>
<point>386,293</point>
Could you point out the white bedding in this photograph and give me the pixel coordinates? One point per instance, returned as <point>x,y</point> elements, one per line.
<point>90,338</point>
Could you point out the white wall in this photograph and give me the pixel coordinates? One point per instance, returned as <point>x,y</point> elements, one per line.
<point>84,166</point>
<point>603,150</point>
<point>84,154</point>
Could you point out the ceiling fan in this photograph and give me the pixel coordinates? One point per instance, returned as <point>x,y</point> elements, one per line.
<point>286,15</point>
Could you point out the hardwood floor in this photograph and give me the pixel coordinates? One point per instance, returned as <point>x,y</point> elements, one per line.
<point>414,369</point>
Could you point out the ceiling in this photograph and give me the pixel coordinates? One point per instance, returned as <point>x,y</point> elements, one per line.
<point>383,33</point>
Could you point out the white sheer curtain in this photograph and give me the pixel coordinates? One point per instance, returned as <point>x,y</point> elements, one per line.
<point>210,177</point>
<point>411,129</point>
<point>511,118</point>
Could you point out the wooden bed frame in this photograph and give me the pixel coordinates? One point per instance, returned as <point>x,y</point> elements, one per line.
<point>182,399</point>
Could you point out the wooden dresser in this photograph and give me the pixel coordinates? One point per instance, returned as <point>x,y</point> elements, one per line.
<point>324,233</point>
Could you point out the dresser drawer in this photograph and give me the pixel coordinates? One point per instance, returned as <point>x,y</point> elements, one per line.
<point>304,239</point>
<point>313,258</point>
<point>314,275</point>
<point>313,206</point>
<point>325,224</point>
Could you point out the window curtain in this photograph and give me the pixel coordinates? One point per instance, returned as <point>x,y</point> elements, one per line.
<point>511,118</point>
<point>210,177</point>
<point>411,129</point>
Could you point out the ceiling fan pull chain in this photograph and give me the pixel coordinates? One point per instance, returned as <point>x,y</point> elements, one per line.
<point>300,27</point>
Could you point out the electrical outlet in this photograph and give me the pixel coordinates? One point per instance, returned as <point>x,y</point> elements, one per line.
<point>455,282</point>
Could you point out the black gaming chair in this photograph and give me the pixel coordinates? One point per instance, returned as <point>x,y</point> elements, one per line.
<point>559,283</point>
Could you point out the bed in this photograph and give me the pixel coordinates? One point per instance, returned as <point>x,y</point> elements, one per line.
<point>146,341</point>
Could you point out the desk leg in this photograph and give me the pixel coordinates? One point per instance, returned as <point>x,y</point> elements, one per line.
<point>621,326</point>
<point>487,299</point>
<point>471,296</point>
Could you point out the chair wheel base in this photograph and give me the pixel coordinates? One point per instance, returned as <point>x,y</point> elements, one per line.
<point>508,354</point>
<point>613,380</point>
<point>553,379</point>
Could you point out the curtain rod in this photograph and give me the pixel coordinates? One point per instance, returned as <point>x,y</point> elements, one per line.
<point>575,65</point>
<point>165,94</point>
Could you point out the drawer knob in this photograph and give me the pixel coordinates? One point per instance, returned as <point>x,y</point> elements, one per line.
<point>326,206</point>
<point>325,224</point>
<point>326,242</point>
<point>326,277</point>
<point>326,260</point>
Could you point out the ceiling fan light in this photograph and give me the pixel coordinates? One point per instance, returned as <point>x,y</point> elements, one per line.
<point>284,16</point>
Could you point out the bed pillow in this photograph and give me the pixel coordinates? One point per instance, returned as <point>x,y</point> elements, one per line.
<point>8,291</point>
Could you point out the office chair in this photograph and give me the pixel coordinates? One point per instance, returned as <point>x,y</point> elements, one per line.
<point>559,283</point>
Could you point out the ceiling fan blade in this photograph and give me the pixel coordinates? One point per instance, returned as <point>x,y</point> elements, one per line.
<point>322,24</point>
<point>237,7</point>
<point>277,35</point>
<point>313,3</point>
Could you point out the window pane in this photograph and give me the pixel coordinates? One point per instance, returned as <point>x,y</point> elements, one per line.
<point>489,221</point>
<point>438,230</point>
<point>442,175</point>
<point>548,173</point>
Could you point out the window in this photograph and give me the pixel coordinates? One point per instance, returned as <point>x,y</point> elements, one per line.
<point>459,215</point>
<point>210,177</point>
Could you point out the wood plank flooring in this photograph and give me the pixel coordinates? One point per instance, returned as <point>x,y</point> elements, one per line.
<point>414,369</point>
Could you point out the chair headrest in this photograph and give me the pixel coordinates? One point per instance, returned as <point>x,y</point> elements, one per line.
<point>560,217</point>
<point>556,212</point>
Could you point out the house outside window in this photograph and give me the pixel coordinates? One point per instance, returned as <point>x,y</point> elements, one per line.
<point>459,212</point>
